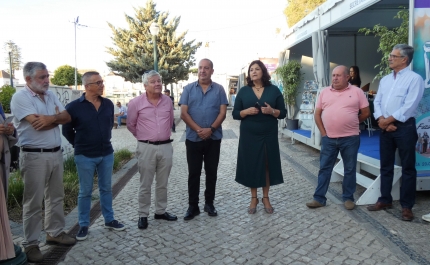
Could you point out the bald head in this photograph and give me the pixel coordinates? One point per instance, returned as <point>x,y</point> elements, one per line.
<point>339,77</point>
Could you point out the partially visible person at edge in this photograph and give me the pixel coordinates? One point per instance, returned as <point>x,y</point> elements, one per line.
<point>150,117</point>
<point>121,115</point>
<point>354,76</point>
<point>90,133</point>
<point>203,109</point>
<point>37,114</point>
<point>167,93</point>
<point>258,106</point>
<point>396,103</point>
<point>336,117</point>
<point>8,138</point>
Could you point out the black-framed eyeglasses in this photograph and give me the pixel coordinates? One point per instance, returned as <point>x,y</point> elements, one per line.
<point>392,56</point>
<point>99,83</point>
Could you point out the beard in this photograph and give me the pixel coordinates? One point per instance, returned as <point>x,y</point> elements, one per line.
<point>39,88</point>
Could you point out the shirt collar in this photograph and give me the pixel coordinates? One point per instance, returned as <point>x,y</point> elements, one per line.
<point>335,90</point>
<point>34,94</point>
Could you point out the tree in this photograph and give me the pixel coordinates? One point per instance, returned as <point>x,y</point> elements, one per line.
<point>6,93</point>
<point>388,39</point>
<point>298,9</point>
<point>16,56</point>
<point>134,47</point>
<point>65,76</point>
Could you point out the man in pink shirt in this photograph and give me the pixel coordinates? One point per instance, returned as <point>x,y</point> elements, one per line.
<point>149,119</point>
<point>337,118</point>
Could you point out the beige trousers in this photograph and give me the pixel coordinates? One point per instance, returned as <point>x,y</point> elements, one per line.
<point>153,160</point>
<point>43,179</point>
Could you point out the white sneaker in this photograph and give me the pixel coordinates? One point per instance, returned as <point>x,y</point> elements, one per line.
<point>426,217</point>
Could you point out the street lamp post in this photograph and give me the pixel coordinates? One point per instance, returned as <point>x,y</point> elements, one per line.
<point>10,64</point>
<point>155,29</point>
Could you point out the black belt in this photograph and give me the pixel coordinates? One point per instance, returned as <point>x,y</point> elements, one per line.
<point>157,142</point>
<point>41,150</point>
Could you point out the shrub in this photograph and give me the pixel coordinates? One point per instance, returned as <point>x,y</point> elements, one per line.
<point>6,94</point>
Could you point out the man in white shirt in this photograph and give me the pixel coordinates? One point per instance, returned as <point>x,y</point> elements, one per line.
<point>395,105</point>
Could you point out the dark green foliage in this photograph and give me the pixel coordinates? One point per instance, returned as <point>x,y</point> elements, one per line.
<point>133,51</point>
<point>388,39</point>
<point>291,77</point>
<point>65,76</point>
<point>6,93</point>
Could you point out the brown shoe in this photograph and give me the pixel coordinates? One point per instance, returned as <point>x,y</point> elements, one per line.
<point>61,239</point>
<point>407,214</point>
<point>33,254</point>
<point>379,206</point>
<point>349,205</point>
<point>314,204</point>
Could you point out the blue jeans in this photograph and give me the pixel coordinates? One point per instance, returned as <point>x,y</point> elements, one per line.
<point>118,119</point>
<point>87,166</point>
<point>330,148</point>
<point>404,139</point>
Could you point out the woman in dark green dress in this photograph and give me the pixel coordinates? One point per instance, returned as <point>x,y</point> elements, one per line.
<point>258,105</point>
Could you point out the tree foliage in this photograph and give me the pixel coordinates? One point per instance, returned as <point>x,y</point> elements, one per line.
<point>16,56</point>
<point>388,39</point>
<point>291,77</point>
<point>298,9</point>
<point>65,76</point>
<point>133,49</point>
<point>6,93</point>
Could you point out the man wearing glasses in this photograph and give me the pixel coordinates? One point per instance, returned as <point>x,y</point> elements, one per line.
<point>150,117</point>
<point>90,133</point>
<point>395,107</point>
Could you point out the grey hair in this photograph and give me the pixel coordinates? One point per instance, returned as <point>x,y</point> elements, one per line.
<point>345,69</point>
<point>405,50</point>
<point>146,76</point>
<point>88,75</point>
<point>30,68</point>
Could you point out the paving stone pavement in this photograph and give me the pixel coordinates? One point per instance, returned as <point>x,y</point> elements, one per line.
<point>294,234</point>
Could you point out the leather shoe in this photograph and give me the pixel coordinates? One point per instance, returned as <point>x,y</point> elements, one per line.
<point>210,209</point>
<point>142,223</point>
<point>191,212</point>
<point>379,206</point>
<point>166,216</point>
<point>407,214</point>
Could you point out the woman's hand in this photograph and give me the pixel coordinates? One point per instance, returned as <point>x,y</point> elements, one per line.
<point>267,110</point>
<point>251,111</point>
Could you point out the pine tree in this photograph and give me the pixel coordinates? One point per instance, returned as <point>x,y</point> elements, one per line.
<point>134,47</point>
<point>16,56</point>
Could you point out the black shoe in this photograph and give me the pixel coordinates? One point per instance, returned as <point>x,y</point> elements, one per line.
<point>191,212</point>
<point>142,223</point>
<point>210,209</point>
<point>166,216</point>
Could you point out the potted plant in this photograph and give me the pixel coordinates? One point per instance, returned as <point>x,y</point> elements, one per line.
<point>290,76</point>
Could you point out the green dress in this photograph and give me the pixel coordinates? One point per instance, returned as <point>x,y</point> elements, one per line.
<point>258,142</point>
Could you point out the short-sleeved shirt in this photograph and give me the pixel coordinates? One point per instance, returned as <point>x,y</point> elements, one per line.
<point>340,110</point>
<point>90,130</point>
<point>203,108</point>
<point>123,110</point>
<point>26,102</point>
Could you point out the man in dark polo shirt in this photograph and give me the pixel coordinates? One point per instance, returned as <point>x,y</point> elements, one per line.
<point>90,132</point>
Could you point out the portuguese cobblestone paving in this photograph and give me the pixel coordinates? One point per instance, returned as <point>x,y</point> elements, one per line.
<point>294,234</point>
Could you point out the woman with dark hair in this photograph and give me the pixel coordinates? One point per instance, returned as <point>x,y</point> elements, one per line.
<point>354,76</point>
<point>258,106</point>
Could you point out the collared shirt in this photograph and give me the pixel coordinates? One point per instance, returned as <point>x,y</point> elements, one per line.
<point>26,102</point>
<point>399,97</point>
<point>340,110</point>
<point>150,122</point>
<point>203,108</point>
<point>90,130</point>
<point>123,110</point>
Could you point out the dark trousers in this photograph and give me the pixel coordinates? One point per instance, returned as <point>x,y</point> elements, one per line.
<point>198,152</point>
<point>404,139</point>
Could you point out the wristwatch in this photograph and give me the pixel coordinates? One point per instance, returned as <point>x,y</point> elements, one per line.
<point>273,111</point>
<point>213,129</point>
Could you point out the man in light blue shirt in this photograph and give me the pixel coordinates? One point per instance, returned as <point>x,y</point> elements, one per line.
<point>122,113</point>
<point>203,109</point>
<point>395,105</point>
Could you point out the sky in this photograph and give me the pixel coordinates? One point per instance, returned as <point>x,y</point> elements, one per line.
<point>238,31</point>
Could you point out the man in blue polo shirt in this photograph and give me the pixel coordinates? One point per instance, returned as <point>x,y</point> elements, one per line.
<point>90,132</point>
<point>203,108</point>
